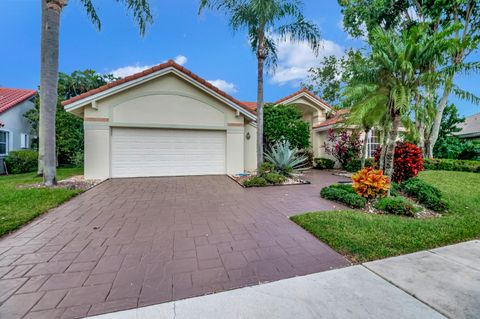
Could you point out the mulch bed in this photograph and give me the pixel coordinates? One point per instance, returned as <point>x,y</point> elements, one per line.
<point>75,182</point>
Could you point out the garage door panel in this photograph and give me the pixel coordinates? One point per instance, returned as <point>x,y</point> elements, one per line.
<point>159,152</point>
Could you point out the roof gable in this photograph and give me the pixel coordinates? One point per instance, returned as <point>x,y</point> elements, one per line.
<point>154,72</point>
<point>305,93</point>
<point>12,97</point>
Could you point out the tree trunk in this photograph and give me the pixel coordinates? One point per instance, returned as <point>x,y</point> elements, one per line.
<point>365,147</point>
<point>438,118</point>
<point>421,136</point>
<point>41,114</point>
<point>48,87</point>
<point>381,160</point>
<point>260,64</point>
<point>390,148</point>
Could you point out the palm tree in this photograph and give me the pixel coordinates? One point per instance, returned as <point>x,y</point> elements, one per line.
<point>393,78</point>
<point>51,12</point>
<point>264,20</point>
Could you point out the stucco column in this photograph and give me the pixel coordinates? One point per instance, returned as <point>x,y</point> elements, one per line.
<point>235,148</point>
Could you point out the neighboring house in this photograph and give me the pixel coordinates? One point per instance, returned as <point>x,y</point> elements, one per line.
<point>167,121</point>
<point>14,128</point>
<point>470,128</point>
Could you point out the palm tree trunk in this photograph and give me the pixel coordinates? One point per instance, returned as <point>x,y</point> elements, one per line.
<point>438,118</point>
<point>390,147</point>
<point>365,147</point>
<point>383,150</point>
<point>48,87</point>
<point>41,114</point>
<point>260,64</point>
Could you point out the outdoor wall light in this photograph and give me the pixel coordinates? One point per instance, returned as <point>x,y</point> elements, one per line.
<point>247,136</point>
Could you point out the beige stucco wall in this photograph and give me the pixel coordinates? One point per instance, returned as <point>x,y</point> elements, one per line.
<point>250,146</point>
<point>165,102</point>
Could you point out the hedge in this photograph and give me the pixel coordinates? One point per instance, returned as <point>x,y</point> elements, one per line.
<point>344,194</point>
<point>23,161</point>
<point>451,165</point>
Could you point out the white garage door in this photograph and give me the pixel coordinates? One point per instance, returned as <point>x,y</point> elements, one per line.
<point>162,152</point>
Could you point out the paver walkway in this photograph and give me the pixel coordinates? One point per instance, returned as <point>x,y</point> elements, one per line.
<point>437,284</point>
<point>135,242</point>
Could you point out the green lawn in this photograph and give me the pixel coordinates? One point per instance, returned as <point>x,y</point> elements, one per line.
<point>18,206</point>
<point>363,237</point>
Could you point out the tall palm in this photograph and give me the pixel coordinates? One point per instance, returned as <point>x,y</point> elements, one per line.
<point>265,20</point>
<point>51,12</point>
<point>393,79</point>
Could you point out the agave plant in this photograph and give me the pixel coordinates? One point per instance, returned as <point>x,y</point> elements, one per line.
<point>286,159</point>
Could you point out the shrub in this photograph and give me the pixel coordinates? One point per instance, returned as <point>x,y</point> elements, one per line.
<point>255,181</point>
<point>78,159</point>
<point>407,161</point>
<point>451,165</point>
<point>266,168</point>
<point>285,159</point>
<point>22,161</point>
<point>285,122</point>
<point>370,183</point>
<point>355,165</point>
<point>309,155</point>
<point>345,187</point>
<point>426,194</point>
<point>324,163</point>
<point>343,146</point>
<point>274,178</point>
<point>339,194</point>
<point>397,205</point>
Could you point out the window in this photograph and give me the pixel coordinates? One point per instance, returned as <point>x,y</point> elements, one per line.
<point>373,142</point>
<point>3,143</point>
<point>24,139</point>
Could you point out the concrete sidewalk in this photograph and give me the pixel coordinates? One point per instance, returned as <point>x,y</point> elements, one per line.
<point>440,283</point>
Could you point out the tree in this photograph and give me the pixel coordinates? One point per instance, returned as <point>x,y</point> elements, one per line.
<point>285,122</point>
<point>264,20</point>
<point>362,16</point>
<point>51,11</point>
<point>391,78</point>
<point>69,128</point>
<point>332,76</point>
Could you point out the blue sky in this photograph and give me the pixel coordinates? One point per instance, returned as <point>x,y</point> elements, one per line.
<point>204,44</point>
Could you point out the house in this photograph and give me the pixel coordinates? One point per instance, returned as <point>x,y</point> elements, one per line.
<point>14,128</point>
<point>167,121</point>
<point>470,128</point>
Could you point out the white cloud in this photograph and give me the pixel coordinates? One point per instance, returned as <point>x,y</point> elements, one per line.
<point>224,85</point>
<point>132,69</point>
<point>295,58</point>
<point>180,59</point>
<point>129,70</point>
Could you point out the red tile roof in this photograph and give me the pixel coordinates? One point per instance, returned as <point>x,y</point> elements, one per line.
<point>11,97</point>
<point>338,117</point>
<point>252,106</point>
<point>156,68</point>
<point>303,90</point>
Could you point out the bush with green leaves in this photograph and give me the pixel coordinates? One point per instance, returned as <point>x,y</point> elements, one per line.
<point>286,159</point>
<point>255,181</point>
<point>451,165</point>
<point>426,194</point>
<point>397,205</point>
<point>274,178</point>
<point>323,163</point>
<point>344,194</point>
<point>355,165</point>
<point>22,161</point>
<point>285,122</point>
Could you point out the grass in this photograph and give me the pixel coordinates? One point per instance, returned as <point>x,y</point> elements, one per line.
<point>19,206</point>
<point>363,237</point>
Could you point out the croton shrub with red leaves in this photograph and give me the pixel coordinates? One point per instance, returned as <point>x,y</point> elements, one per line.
<point>407,162</point>
<point>370,183</point>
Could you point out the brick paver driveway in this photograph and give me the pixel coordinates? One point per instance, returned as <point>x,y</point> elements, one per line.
<point>134,242</point>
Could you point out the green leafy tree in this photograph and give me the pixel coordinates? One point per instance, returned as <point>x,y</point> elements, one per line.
<point>332,76</point>
<point>285,123</point>
<point>264,20</point>
<point>49,51</point>
<point>391,79</point>
<point>68,128</point>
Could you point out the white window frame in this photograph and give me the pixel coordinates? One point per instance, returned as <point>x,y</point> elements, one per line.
<point>373,142</point>
<point>7,142</point>
<point>24,140</point>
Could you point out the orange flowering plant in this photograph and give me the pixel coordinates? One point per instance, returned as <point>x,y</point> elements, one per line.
<point>370,183</point>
